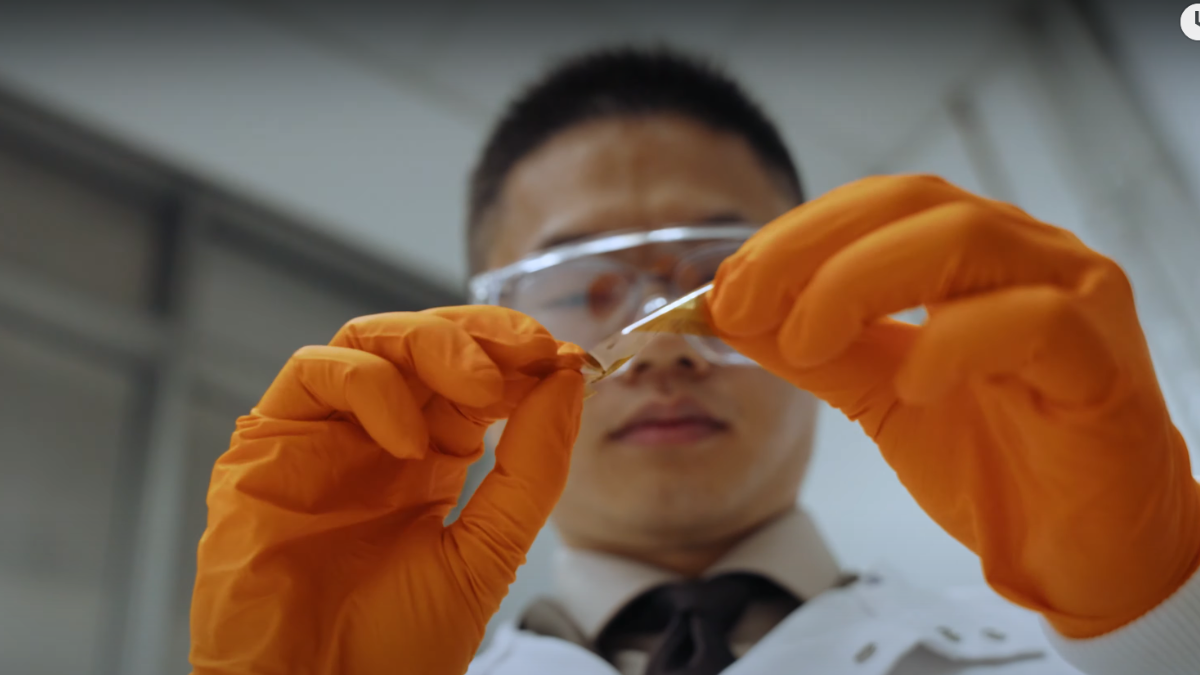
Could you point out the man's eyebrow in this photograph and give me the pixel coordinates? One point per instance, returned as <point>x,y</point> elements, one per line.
<point>723,217</point>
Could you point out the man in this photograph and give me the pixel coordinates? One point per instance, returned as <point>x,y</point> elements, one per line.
<point>1024,418</point>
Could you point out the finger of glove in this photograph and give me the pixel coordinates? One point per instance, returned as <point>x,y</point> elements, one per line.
<point>1038,333</point>
<point>755,288</point>
<point>520,347</point>
<point>443,344</point>
<point>859,382</point>
<point>515,342</point>
<point>441,356</point>
<point>319,382</point>
<point>459,431</point>
<point>946,252</point>
<point>500,523</point>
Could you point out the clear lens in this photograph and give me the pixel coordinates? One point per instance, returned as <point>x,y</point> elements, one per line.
<point>699,267</point>
<point>713,350</point>
<point>617,353</point>
<point>686,317</point>
<point>581,301</point>
<point>588,298</point>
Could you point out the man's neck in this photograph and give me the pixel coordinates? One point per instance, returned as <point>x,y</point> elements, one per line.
<point>689,559</point>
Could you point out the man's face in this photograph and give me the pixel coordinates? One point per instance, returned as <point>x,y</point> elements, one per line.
<point>676,451</point>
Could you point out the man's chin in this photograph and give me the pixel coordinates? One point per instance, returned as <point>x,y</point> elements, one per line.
<point>681,516</point>
<point>630,520</point>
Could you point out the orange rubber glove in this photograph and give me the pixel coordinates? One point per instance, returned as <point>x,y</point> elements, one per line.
<point>325,550</point>
<point>1024,416</point>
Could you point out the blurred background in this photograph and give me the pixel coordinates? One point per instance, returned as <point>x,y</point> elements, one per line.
<point>190,190</point>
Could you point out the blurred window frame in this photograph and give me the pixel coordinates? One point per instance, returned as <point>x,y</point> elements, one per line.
<point>159,343</point>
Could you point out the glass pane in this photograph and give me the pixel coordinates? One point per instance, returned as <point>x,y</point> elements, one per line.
<point>61,423</point>
<point>210,424</point>
<point>74,234</point>
<point>252,316</point>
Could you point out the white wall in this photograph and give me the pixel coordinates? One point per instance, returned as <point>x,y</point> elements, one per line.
<point>1163,67</point>
<point>248,104</point>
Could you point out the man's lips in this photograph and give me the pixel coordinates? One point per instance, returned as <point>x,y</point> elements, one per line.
<point>669,423</point>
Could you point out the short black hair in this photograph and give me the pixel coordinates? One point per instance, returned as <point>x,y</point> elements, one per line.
<point>627,81</point>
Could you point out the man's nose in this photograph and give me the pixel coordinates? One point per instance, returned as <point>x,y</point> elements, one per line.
<point>666,358</point>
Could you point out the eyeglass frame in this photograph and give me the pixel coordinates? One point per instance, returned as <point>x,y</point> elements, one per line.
<point>486,288</point>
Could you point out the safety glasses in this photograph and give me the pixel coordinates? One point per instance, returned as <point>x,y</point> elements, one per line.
<point>587,292</point>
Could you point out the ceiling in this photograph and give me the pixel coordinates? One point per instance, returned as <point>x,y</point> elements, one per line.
<point>364,116</point>
<point>847,81</point>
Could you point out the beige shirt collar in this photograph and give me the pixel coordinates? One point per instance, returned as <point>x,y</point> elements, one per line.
<point>789,550</point>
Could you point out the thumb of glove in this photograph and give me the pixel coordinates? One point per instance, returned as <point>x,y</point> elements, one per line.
<point>500,523</point>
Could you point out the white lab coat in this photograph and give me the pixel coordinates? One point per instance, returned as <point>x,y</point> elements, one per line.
<point>878,626</point>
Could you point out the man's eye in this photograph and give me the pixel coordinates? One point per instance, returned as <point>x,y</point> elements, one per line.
<point>605,293</point>
<point>602,296</point>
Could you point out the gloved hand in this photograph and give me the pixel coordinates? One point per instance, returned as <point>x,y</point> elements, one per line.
<point>1024,416</point>
<point>325,550</point>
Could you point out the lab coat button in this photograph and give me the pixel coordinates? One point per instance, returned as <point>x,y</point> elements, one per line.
<point>993,634</point>
<point>865,653</point>
<point>949,634</point>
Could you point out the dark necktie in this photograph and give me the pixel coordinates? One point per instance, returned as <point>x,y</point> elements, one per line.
<point>692,620</point>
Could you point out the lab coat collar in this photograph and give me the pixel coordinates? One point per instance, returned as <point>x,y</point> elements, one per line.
<point>868,628</point>
<point>789,550</point>
<point>887,617</point>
